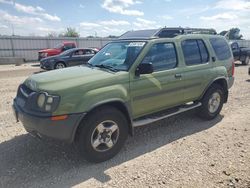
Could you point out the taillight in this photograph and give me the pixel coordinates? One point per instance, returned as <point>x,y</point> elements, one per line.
<point>233,67</point>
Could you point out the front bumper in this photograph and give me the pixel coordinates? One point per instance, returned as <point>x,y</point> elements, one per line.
<point>41,56</point>
<point>45,127</point>
<point>46,66</point>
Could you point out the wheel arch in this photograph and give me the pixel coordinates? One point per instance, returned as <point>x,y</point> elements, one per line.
<point>60,61</point>
<point>222,81</point>
<point>118,104</point>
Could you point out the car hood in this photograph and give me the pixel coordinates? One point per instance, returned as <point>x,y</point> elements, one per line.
<point>57,80</point>
<point>51,57</point>
<point>47,50</point>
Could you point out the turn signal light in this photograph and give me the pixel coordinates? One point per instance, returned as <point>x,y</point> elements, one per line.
<point>57,118</point>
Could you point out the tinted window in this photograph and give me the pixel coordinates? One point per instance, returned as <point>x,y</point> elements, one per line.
<point>234,46</point>
<point>89,52</point>
<point>221,48</point>
<point>162,56</point>
<point>78,52</point>
<point>191,52</point>
<point>203,51</point>
<point>68,46</point>
<point>195,52</point>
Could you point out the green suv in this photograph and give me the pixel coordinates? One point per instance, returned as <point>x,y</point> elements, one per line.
<point>142,77</point>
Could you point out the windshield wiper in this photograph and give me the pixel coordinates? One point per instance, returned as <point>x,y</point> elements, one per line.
<point>89,65</point>
<point>107,67</point>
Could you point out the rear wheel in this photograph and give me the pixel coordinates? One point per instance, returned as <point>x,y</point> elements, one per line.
<point>60,65</point>
<point>102,134</point>
<point>247,60</point>
<point>212,102</point>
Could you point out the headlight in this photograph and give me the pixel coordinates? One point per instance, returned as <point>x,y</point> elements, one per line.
<point>46,102</point>
<point>41,100</point>
<point>44,54</point>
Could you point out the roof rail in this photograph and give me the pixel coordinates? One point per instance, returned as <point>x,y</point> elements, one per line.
<point>175,31</point>
<point>166,32</point>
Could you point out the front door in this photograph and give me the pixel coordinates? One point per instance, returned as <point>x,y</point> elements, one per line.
<point>75,58</point>
<point>163,88</point>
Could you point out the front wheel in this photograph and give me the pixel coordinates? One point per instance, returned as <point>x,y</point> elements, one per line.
<point>102,134</point>
<point>212,102</point>
<point>60,65</point>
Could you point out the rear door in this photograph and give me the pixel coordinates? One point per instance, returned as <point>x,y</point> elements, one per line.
<point>81,56</point>
<point>87,55</point>
<point>199,68</point>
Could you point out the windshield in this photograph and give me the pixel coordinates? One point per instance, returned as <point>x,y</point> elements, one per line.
<point>58,46</point>
<point>118,55</point>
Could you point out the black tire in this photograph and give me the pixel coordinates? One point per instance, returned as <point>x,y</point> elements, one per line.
<point>247,60</point>
<point>204,111</point>
<point>59,65</point>
<point>88,128</point>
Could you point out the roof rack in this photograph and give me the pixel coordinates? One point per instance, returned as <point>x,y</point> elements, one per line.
<point>166,32</point>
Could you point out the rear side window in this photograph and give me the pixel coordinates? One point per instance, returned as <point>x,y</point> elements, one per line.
<point>221,48</point>
<point>234,46</point>
<point>195,52</point>
<point>203,51</point>
<point>87,52</point>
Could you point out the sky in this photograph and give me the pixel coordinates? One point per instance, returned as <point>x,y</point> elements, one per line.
<point>114,17</point>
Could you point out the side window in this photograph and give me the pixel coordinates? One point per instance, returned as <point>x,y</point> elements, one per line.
<point>162,56</point>
<point>234,46</point>
<point>87,52</point>
<point>203,51</point>
<point>221,48</point>
<point>75,53</point>
<point>68,46</point>
<point>195,52</point>
<point>78,52</point>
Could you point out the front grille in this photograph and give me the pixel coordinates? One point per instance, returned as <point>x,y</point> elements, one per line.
<point>40,56</point>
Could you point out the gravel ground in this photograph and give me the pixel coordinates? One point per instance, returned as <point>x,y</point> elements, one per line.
<point>181,151</point>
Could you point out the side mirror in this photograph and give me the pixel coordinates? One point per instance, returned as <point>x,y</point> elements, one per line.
<point>144,68</point>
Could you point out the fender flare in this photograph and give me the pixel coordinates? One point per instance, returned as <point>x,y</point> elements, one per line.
<point>225,87</point>
<point>125,109</point>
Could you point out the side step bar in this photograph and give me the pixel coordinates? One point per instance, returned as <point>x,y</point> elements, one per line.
<point>152,119</point>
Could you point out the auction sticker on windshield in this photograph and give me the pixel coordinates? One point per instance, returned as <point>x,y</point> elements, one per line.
<point>136,44</point>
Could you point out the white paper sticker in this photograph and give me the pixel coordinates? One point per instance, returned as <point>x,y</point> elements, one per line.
<point>136,44</point>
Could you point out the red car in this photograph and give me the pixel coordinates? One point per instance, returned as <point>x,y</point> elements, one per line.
<point>57,50</point>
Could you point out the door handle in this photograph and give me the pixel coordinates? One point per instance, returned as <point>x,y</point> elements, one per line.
<point>178,75</point>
